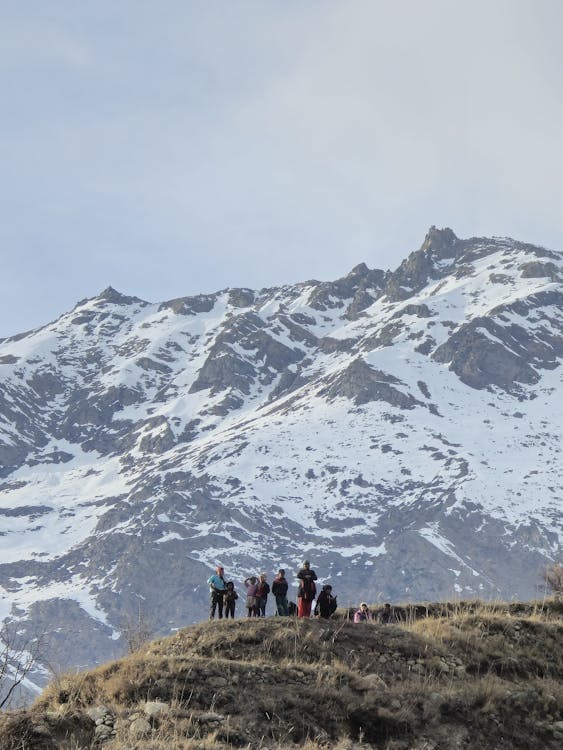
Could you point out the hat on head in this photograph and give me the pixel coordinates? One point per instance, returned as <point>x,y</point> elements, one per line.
<point>363,604</point>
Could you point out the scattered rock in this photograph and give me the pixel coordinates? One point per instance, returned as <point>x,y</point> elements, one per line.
<point>209,718</point>
<point>372,682</point>
<point>103,732</point>
<point>153,709</point>
<point>217,681</point>
<point>139,728</point>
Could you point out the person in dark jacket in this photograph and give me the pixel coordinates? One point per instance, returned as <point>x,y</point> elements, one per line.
<point>326,603</point>
<point>279,590</point>
<point>230,598</point>
<point>217,588</point>
<point>307,590</point>
<point>262,595</point>
<point>387,615</point>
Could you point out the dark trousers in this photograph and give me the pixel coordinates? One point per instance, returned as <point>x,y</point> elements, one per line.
<point>229,609</point>
<point>216,603</point>
<point>282,605</point>
<point>261,606</point>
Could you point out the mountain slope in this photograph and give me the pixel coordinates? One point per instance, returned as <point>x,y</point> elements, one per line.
<point>401,429</point>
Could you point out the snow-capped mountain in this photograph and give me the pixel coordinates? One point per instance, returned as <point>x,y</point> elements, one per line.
<point>399,429</point>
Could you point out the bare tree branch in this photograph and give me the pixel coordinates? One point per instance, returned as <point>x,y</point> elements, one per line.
<point>553,576</point>
<point>136,630</point>
<point>17,658</point>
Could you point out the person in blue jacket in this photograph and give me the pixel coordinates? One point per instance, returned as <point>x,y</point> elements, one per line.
<point>217,588</point>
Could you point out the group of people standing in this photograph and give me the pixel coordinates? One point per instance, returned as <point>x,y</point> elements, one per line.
<point>223,595</point>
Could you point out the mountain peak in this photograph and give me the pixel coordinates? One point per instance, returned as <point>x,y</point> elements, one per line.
<point>360,270</point>
<point>109,294</point>
<point>440,242</point>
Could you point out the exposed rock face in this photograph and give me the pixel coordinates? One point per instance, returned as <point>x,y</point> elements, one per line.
<point>402,429</point>
<point>420,266</point>
<point>477,355</point>
<point>361,384</point>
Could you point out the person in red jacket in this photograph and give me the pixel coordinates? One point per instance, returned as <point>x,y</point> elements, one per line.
<point>307,590</point>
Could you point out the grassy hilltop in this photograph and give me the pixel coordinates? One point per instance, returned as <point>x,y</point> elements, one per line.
<point>468,675</point>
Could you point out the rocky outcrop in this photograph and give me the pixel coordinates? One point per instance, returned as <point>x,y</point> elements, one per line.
<point>114,297</point>
<point>200,303</point>
<point>362,384</point>
<point>361,286</point>
<point>414,272</point>
<point>480,358</point>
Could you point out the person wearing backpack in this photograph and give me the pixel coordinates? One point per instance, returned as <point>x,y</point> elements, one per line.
<point>326,603</point>
<point>262,595</point>
<point>217,587</point>
<point>279,590</point>
<point>307,590</point>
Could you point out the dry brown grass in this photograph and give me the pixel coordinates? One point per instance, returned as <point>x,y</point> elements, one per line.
<point>280,682</point>
<point>488,641</point>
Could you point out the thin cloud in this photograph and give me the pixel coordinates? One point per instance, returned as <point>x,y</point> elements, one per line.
<point>186,148</point>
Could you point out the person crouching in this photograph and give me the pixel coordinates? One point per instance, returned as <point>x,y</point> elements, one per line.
<point>326,603</point>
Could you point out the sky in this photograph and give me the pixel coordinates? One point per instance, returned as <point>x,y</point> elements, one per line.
<point>176,147</point>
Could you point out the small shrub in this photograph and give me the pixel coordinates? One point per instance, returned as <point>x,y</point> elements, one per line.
<point>553,576</point>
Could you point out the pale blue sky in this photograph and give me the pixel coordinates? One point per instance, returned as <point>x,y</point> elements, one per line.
<point>174,147</point>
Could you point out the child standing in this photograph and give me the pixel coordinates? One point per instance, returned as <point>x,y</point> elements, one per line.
<point>230,598</point>
<point>251,586</point>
